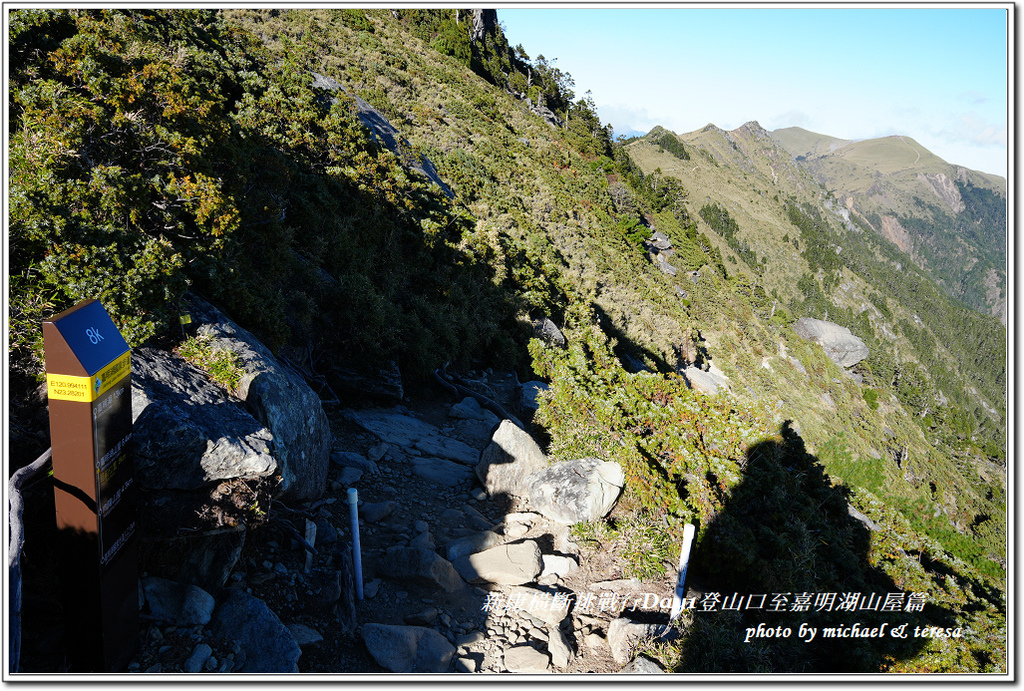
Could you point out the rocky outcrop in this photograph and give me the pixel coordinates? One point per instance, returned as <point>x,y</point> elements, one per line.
<point>387,135</point>
<point>397,428</point>
<point>280,399</point>
<point>710,383</point>
<point>484,22</point>
<point>178,603</point>
<point>575,491</point>
<point>508,460</point>
<point>841,346</point>
<point>187,432</point>
<point>659,249</point>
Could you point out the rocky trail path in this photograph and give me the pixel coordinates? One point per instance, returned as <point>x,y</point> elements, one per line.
<point>455,579</point>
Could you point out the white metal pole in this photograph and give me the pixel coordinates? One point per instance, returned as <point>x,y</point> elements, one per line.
<point>357,559</point>
<point>684,558</point>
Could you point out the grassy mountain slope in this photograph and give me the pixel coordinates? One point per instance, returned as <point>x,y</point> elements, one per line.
<point>950,220</point>
<point>274,200</point>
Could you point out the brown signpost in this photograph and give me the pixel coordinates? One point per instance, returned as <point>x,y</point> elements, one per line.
<point>88,383</point>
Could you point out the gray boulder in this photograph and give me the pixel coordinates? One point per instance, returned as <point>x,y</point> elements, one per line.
<point>624,634</point>
<point>267,644</point>
<point>508,460</point>
<point>538,604</point>
<point>705,382</point>
<point>187,432</point>
<point>559,648</point>
<point>642,665</point>
<point>280,399</point>
<point>178,603</point>
<point>377,511</point>
<point>405,649</point>
<point>523,659</point>
<point>574,491</point>
<point>350,459</point>
<point>547,331</point>
<point>477,542</point>
<point>841,346</point>
<point>512,564</point>
<point>304,635</point>
<point>421,566</point>
<point>469,409</point>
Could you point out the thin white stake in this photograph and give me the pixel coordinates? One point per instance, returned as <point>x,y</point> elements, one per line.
<point>357,559</point>
<point>684,558</point>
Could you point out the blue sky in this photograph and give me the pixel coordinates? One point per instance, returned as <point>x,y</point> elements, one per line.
<point>937,74</point>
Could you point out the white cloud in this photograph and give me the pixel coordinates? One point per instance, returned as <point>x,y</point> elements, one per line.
<point>791,118</point>
<point>624,118</point>
<point>975,98</point>
<point>975,130</point>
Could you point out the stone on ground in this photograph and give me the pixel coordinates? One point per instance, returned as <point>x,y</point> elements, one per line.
<point>268,645</point>
<point>178,603</point>
<point>841,346</point>
<point>558,648</point>
<point>280,399</point>
<point>642,665</point>
<point>421,566</point>
<point>404,649</point>
<point>523,659</point>
<point>574,491</point>
<point>508,460</point>
<point>477,542</point>
<point>624,634</point>
<point>512,564</point>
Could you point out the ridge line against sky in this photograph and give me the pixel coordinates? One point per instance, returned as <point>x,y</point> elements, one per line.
<point>938,74</point>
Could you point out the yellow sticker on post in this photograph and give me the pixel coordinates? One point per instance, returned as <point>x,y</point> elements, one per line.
<point>66,387</point>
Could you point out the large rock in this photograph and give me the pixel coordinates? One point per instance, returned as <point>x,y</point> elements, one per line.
<point>177,603</point>
<point>411,433</point>
<point>280,399</point>
<point>404,649</point>
<point>705,382</point>
<point>187,432</point>
<point>642,665</point>
<point>559,648</point>
<point>421,566</point>
<point>575,491</point>
<point>512,564</point>
<point>205,558</point>
<point>841,346</point>
<point>470,544</point>
<point>547,331</point>
<point>624,634</point>
<point>508,460</point>
<point>523,659</point>
<point>267,644</point>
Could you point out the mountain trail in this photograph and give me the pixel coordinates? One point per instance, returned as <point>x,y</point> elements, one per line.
<point>424,501</point>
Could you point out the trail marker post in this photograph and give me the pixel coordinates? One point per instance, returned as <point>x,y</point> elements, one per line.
<point>88,385</point>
